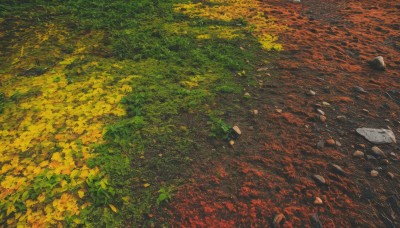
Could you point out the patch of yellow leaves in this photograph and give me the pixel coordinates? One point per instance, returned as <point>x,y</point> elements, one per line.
<point>251,11</point>
<point>50,134</point>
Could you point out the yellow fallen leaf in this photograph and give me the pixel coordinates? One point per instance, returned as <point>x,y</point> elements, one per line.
<point>113,208</point>
<point>146,185</point>
<point>81,193</point>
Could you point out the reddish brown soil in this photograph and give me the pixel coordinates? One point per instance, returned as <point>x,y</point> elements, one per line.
<point>268,171</point>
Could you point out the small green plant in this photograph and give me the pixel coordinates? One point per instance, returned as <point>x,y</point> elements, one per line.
<point>165,194</point>
<point>219,128</point>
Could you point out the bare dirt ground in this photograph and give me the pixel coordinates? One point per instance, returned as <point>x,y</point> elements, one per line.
<point>269,169</point>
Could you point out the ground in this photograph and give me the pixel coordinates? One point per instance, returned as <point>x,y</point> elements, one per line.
<point>114,118</point>
<point>268,170</point>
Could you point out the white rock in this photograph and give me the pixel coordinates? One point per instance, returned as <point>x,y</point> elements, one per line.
<point>237,130</point>
<point>318,201</point>
<point>378,63</point>
<point>374,173</point>
<point>377,136</point>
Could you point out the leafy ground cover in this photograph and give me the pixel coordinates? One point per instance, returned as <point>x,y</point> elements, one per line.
<point>95,97</point>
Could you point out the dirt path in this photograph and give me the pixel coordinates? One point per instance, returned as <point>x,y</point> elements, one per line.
<point>269,169</point>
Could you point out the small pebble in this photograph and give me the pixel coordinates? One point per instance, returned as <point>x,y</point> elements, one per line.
<point>322,118</point>
<point>370,157</point>
<point>318,201</point>
<point>365,111</point>
<point>338,143</point>
<point>374,173</point>
<point>358,154</point>
<point>361,145</point>
<point>278,110</point>
<point>341,118</point>
<point>377,63</point>
<point>311,92</point>
<point>330,142</point>
<point>326,104</point>
<point>319,179</point>
<point>237,130</point>
<point>337,169</point>
<point>231,142</point>
<point>378,152</point>
<point>359,89</point>
<point>391,175</point>
<point>385,162</point>
<point>247,94</point>
<point>321,112</point>
<point>255,112</point>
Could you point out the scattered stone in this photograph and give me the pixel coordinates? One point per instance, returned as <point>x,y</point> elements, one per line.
<point>359,89</point>
<point>358,154</point>
<point>365,111</point>
<point>247,94</point>
<point>318,105</point>
<point>330,142</point>
<point>278,110</point>
<point>318,201</point>
<point>262,69</point>
<point>337,169</point>
<point>311,93</point>
<point>315,222</point>
<point>255,112</point>
<point>321,112</point>
<point>231,142</point>
<point>377,136</point>
<point>319,179</point>
<point>322,118</point>
<point>370,157</point>
<point>374,173</point>
<point>320,144</point>
<point>385,162</point>
<point>326,104</point>
<point>338,143</point>
<point>377,63</point>
<point>393,154</point>
<point>296,1</point>
<point>378,152</point>
<point>361,145</point>
<point>341,118</point>
<point>278,220</point>
<point>237,130</point>
<point>391,175</point>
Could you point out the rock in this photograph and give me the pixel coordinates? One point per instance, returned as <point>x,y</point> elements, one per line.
<point>237,130</point>
<point>337,169</point>
<point>377,136</point>
<point>320,144</point>
<point>338,143</point>
<point>385,162</point>
<point>391,175</point>
<point>231,142</point>
<point>322,118</point>
<point>341,118</point>
<point>378,152</point>
<point>370,157</point>
<point>377,63</point>
<point>255,112</point>
<point>358,154</point>
<point>365,111</point>
<point>319,179</point>
<point>318,201</point>
<point>374,173</point>
<point>321,112</point>
<point>315,222</point>
<point>311,93</point>
<point>296,1</point>
<point>330,142</point>
<point>278,220</point>
<point>247,94</point>
<point>359,89</point>
<point>278,110</point>
<point>361,145</point>
<point>326,104</point>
